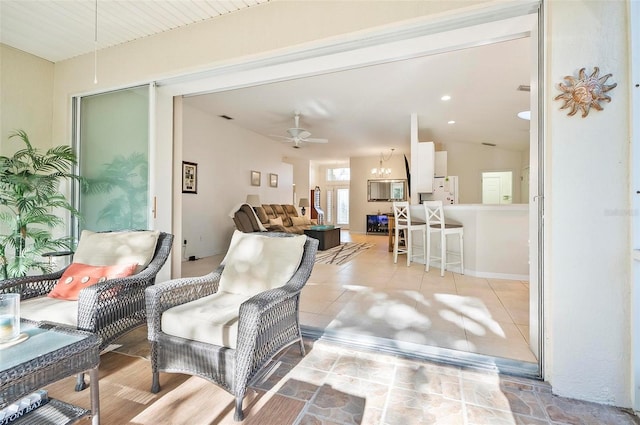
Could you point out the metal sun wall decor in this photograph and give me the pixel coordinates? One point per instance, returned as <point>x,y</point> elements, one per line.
<point>584,92</point>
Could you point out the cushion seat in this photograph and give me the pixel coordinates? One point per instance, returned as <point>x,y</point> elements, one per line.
<point>212,319</point>
<point>50,310</point>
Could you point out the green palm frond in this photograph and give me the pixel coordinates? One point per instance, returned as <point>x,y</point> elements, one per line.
<point>29,198</point>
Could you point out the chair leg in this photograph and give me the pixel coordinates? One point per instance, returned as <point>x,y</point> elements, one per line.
<point>80,384</point>
<point>238,416</point>
<point>461,253</point>
<point>395,245</point>
<point>443,253</point>
<point>155,382</point>
<point>302,350</point>
<point>424,246</point>
<point>428,249</point>
<point>408,247</point>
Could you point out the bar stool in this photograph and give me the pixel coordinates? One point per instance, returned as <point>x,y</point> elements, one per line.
<point>402,218</point>
<point>434,214</point>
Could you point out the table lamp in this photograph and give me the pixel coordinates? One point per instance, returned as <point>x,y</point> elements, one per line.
<point>253,200</point>
<point>303,204</point>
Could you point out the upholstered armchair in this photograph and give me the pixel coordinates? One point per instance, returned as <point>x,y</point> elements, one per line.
<point>88,294</point>
<point>227,325</point>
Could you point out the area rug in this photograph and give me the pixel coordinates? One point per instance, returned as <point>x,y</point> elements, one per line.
<point>342,253</point>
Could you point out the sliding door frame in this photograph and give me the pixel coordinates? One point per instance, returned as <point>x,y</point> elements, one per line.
<point>462,29</point>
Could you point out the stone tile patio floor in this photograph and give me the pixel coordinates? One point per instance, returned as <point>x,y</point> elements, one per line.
<point>341,386</point>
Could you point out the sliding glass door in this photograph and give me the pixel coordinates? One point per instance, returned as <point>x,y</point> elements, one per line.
<point>112,140</point>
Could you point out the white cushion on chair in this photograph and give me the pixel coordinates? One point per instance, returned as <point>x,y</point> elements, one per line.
<point>212,319</point>
<point>50,310</point>
<point>113,248</point>
<point>255,263</point>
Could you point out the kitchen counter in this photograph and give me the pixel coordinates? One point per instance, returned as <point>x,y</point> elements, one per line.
<point>496,238</point>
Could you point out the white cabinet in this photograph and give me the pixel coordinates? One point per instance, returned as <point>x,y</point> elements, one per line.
<point>440,167</point>
<point>423,169</point>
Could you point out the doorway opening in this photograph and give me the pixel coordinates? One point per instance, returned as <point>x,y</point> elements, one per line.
<point>382,55</point>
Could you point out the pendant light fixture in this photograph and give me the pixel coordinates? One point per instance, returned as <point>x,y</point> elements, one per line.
<point>381,171</point>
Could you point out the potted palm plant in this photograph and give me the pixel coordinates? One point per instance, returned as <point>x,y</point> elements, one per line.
<point>29,200</point>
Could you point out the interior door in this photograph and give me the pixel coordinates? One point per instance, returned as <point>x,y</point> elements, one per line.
<point>491,193</point>
<point>342,206</point>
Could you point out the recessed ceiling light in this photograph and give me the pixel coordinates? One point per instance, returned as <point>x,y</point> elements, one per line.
<point>451,122</point>
<point>445,97</point>
<point>525,115</point>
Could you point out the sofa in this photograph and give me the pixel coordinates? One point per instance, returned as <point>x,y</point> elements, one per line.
<point>271,218</point>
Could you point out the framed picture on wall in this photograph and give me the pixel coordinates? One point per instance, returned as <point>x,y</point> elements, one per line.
<point>273,180</point>
<point>189,177</point>
<point>255,178</point>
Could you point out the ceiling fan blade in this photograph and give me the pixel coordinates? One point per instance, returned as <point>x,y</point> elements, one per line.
<point>281,137</point>
<point>313,140</point>
<point>304,134</point>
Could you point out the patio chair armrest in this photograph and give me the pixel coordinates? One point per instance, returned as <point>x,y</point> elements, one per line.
<point>267,322</point>
<point>165,295</point>
<point>31,286</point>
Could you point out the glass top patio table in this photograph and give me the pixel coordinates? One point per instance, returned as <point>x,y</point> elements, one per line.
<point>50,353</point>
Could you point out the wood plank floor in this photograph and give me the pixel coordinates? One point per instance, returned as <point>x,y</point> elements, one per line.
<point>125,398</point>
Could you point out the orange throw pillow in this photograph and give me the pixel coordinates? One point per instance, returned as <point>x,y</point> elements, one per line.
<point>78,276</point>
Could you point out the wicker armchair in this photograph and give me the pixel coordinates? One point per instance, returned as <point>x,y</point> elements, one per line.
<point>108,309</point>
<point>266,323</point>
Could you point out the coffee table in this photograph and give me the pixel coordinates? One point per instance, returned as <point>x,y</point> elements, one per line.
<point>328,238</point>
<point>49,354</point>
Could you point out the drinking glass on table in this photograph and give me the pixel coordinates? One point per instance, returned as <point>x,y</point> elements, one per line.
<point>9,317</point>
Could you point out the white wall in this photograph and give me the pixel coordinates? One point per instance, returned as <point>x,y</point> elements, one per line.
<point>301,180</point>
<point>468,161</point>
<point>588,262</point>
<point>225,155</point>
<point>26,99</point>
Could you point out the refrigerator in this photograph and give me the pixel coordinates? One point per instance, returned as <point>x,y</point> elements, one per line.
<point>445,189</point>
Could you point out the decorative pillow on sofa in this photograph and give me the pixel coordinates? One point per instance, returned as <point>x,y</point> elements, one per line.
<point>78,276</point>
<point>112,248</point>
<point>300,221</point>
<point>276,221</point>
<point>256,263</point>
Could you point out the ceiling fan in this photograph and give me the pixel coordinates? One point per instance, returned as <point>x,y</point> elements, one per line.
<point>299,135</point>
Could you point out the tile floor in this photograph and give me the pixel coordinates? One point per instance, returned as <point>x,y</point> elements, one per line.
<point>341,385</point>
<point>370,296</point>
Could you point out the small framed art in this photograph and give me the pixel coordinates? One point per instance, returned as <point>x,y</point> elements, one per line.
<point>255,178</point>
<point>273,180</point>
<point>189,177</point>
